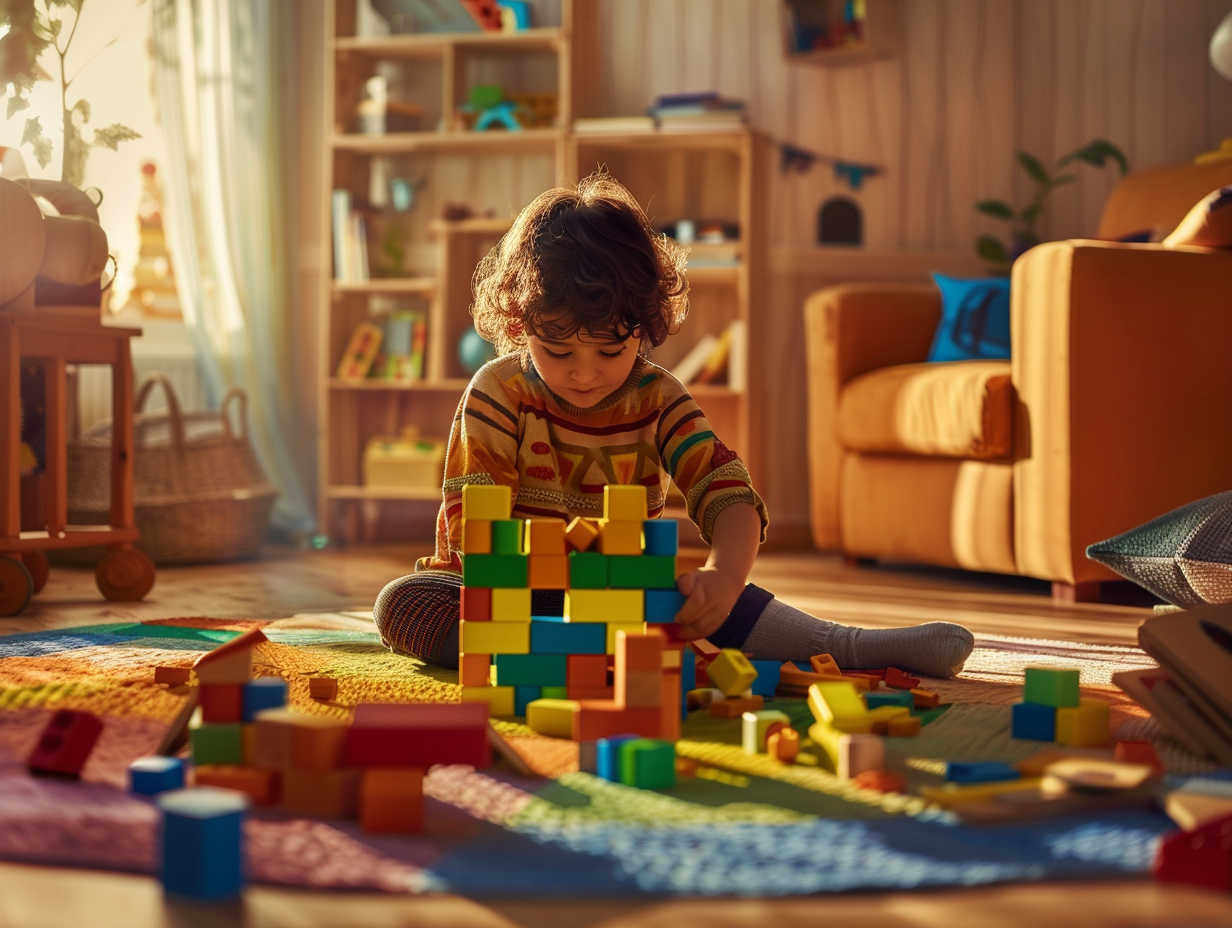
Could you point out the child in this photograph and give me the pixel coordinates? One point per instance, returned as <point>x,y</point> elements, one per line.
<point>574,297</point>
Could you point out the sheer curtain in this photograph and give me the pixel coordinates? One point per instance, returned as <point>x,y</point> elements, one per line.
<point>220,80</point>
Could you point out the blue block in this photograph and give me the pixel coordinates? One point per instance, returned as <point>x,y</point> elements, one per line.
<point>768,673</point>
<point>530,669</point>
<point>688,679</point>
<point>992,771</point>
<point>661,606</point>
<point>661,536</point>
<point>150,776</point>
<point>202,843</point>
<point>890,698</point>
<point>263,693</point>
<point>524,694</point>
<point>1034,721</point>
<point>548,636</point>
<point>607,756</point>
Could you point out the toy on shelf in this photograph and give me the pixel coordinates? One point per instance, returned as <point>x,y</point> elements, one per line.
<point>489,106</point>
<point>1052,710</point>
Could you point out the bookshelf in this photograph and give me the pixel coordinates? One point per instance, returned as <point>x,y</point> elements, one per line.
<point>677,175</point>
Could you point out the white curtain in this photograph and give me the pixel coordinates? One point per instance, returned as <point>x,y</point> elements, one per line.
<point>221,83</point>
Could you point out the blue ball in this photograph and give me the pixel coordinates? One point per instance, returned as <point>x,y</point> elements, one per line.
<point>474,351</point>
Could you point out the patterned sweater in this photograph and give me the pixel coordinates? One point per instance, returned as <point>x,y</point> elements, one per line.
<point>511,430</point>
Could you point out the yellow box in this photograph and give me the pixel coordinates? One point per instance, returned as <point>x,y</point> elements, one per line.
<point>1084,725</point>
<point>839,705</point>
<point>545,536</point>
<point>498,698</point>
<point>553,717</point>
<point>624,504</point>
<point>731,672</point>
<point>494,637</point>
<point>621,606</point>
<point>404,461</point>
<point>487,503</point>
<point>620,537</point>
<point>633,628</point>
<point>511,605</point>
<point>476,536</point>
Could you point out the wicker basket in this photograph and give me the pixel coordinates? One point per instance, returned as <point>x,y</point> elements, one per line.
<point>200,493</point>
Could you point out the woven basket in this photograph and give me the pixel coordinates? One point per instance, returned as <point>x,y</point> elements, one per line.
<point>200,493</point>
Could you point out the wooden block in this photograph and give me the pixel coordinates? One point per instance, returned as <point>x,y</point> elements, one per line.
<point>670,709</point>
<point>620,537</point>
<point>859,753</point>
<point>581,534</point>
<point>662,536</point>
<point>420,734</point>
<point>230,662</point>
<point>66,742</point>
<point>494,570</point>
<point>1033,767</point>
<point>952,796</point>
<point>494,637</point>
<point>319,744</point>
<point>615,628</point>
<point>622,607</point>
<point>783,745</point>
<point>545,537</point>
<point>731,672</point>
<point>880,718</point>
<point>321,793</point>
<point>248,735</point>
<point>880,781</point>
<point>1084,725</point>
<point>638,653</point>
<point>507,537</point>
<point>588,570</point>
<point>642,572</point>
<point>487,503</point>
<point>201,843</point>
<point>640,688</point>
<point>172,676</point>
<point>217,743</point>
<point>926,699</point>
<point>672,659</point>
<point>552,717</point>
<point>898,680</point>
<point>1051,686</point>
<point>511,605</point>
<point>686,767</point>
<point>548,571</point>
<point>903,727</point>
<point>264,693</point>
<point>587,670</point>
<point>1096,774</point>
<point>701,698</point>
<point>838,704</point>
<point>824,664</point>
<point>499,699</point>
<point>625,504</point>
<point>476,536</point>
<point>648,763</point>
<point>1198,803</point>
<point>595,719</point>
<point>734,707</point>
<point>792,676</point>
<point>263,787</point>
<point>149,776</point>
<point>1202,857</point>
<point>755,728</point>
<point>1137,752</point>
<point>476,604</point>
<point>872,680</point>
<point>221,702</point>
<point>391,800</point>
<point>475,669</point>
<point>590,692</point>
<point>324,688</point>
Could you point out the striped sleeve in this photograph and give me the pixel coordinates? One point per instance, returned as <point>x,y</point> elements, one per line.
<point>709,474</point>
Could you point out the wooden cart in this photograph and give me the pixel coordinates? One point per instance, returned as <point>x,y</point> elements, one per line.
<point>56,337</point>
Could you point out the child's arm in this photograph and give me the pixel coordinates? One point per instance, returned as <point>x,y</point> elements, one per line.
<point>713,589</point>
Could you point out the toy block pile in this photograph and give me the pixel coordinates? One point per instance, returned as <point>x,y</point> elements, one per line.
<point>647,763</point>
<point>1052,710</point>
<point>610,662</point>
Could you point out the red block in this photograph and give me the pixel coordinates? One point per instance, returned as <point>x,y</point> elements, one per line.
<point>669,706</point>
<point>591,692</point>
<point>1138,752</point>
<point>221,702</point>
<point>419,735</point>
<point>597,719</point>
<point>476,604</point>
<point>586,670</point>
<point>899,680</point>
<point>66,743</point>
<point>1200,858</point>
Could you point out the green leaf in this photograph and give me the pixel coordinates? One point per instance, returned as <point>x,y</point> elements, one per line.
<point>112,135</point>
<point>1033,167</point>
<point>33,136</point>
<point>991,250</point>
<point>998,208</point>
<point>16,105</point>
<point>73,166</point>
<point>1097,153</point>
<point>1031,213</point>
<point>82,106</point>
<point>56,27</point>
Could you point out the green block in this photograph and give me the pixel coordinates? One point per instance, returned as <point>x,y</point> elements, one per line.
<point>507,536</point>
<point>1051,686</point>
<point>494,570</point>
<point>555,692</point>
<point>648,763</point>
<point>530,669</point>
<point>642,572</point>
<point>588,570</point>
<point>217,743</point>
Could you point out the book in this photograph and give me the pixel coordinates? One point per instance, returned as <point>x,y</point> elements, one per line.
<point>692,363</point>
<point>715,368</point>
<point>614,125</point>
<point>708,123</point>
<point>341,217</point>
<point>361,351</point>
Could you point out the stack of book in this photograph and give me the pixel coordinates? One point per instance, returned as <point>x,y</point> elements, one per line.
<point>350,239</point>
<point>697,112</point>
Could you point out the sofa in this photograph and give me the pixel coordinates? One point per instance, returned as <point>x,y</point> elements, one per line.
<point>1115,407</point>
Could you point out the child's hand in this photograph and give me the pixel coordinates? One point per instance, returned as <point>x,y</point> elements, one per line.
<point>711,596</point>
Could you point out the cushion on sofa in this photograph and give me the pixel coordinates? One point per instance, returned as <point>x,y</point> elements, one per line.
<point>964,409</point>
<point>1183,557</point>
<point>975,319</point>
<point>1208,224</point>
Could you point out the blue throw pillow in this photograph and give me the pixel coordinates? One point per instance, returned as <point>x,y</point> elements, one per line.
<point>975,319</point>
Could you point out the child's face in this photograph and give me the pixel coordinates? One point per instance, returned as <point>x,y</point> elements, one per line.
<point>584,368</point>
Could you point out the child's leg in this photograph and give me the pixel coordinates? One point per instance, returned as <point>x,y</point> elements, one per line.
<point>418,615</point>
<point>774,631</point>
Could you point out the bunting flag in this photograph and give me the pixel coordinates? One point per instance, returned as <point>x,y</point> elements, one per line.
<point>800,160</point>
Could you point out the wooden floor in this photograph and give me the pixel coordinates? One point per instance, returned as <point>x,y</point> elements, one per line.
<point>284,583</point>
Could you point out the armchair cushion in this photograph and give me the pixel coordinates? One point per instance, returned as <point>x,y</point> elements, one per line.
<point>975,319</point>
<point>964,409</point>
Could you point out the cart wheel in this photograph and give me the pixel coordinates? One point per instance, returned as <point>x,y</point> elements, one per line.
<point>16,586</point>
<point>36,563</point>
<point>125,575</point>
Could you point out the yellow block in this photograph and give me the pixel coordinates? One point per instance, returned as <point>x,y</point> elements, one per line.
<point>1084,725</point>
<point>486,502</point>
<point>625,504</point>
<point>620,606</point>
<point>476,536</point>
<point>671,659</point>
<point>731,672</point>
<point>495,638</point>
<point>552,717</point>
<point>632,628</point>
<point>839,705</point>
<point>950,796</point>
<point>498,698</point>
<point>620,537</point>
<point>511,605</point>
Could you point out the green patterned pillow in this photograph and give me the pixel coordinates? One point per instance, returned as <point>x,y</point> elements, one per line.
<point>1184,557</point>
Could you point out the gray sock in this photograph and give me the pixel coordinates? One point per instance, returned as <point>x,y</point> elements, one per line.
<point>784,633</point>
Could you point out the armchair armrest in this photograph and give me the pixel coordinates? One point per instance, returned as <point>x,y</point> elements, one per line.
<point>850,330</point>
<point>1123,371</point>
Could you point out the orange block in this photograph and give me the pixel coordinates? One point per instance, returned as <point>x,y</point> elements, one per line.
<point>900,681</point>
<point>319,746</point>
<point>926,699</point>
<point>172,676</point>
<point>824,663</point>
<point>907,727</point>
<point>323,687</point>
<point>581,534</point>
<point>391,800</point>
<point>784,745</point>
<point>590,692</point>
<point>476,536</point>
<point>669,706</point>
<point>638,653</point>
<point>321,793</point>
<point>595,719</point>
<point>621,538</point>
<point>586,670</point>
<point>639,688</point>
<point>546,536</point>
<point>735,707</point>
<point>475,670</point>
<point>547,571</point>
<point>791,675</point>
<point>261,785</point>
<point>883,781</point>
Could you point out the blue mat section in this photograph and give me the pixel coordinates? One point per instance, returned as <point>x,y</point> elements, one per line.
<point>123,635</point>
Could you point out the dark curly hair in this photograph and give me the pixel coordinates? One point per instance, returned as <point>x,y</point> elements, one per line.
<point>590,252</point>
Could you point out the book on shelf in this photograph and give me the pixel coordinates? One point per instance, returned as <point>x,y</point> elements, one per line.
<point>614,125</point>
<point>401,359</point>
<point>350,239</point>
<point>688,367</point>
<point>697,112</point>
<point>717,359</point>
<point>715,368</point>
<point>738,356</point>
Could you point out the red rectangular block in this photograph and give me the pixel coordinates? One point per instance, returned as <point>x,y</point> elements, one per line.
<point>899,680</point>
<point>475,670</point>
<point>476,604</point>
<point>669,707</point>
<point>391,800</point>
<point>221,702</point>
<point>595,719</point>
<point>586,670</point>
<point>419,735</point>
<point>66,743</point>
<point>591,692</point>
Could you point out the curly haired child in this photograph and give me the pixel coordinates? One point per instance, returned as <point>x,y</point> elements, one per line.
<point>575,296</point>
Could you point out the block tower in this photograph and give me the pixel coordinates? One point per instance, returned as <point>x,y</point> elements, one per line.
<point>611,662</point>
<point>1052,710</point>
